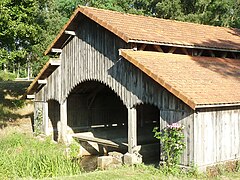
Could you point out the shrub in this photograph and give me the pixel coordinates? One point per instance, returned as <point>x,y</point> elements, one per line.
<point>6,76</point>
<point>172,145</point>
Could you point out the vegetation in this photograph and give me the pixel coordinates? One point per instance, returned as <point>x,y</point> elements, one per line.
<point>23,156</point>
<point>172,145</point>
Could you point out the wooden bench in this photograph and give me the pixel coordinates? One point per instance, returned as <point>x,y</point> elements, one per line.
<point>101,141</point>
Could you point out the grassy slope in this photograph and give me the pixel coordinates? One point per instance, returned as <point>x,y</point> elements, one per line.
<point>11,105</point>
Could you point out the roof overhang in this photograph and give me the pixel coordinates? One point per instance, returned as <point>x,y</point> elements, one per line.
<point>150,70</point>
<point>45,72</point>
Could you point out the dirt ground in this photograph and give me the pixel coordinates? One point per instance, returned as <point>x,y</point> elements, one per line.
<point>13,116</point>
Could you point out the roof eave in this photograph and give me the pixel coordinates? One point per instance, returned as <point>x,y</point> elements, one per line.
<point>62,31</point>
<point>201,106</point>
<point>183,45</point>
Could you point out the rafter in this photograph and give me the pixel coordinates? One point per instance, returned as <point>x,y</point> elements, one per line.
<point>172,49</point>
<point>184,50</point>
<point>158,48</point>
<point>142,47</point>
<point>211,53</point>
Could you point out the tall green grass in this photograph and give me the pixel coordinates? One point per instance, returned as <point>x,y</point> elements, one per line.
<point>22,156</point>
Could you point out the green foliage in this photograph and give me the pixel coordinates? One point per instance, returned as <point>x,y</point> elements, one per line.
<point>25,157</point>
<point>172,145</point>
<point>18,103</point>
<point>6,76</point>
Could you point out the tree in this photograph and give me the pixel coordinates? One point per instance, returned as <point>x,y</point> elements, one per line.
<point>18,30</point>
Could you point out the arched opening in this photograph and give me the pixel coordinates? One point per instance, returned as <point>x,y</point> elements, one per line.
<point>94,109</point>
<point>148,117</point>
<point>54,117</point>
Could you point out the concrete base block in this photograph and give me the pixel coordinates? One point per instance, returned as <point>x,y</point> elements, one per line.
<point>131,159</point>
<point>104,162</point>
<point>117,157</point>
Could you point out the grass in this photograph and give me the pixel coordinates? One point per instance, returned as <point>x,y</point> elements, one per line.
<point>143,172</point>
<point>23,156</point>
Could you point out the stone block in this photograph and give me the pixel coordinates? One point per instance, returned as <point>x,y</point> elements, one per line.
<point>131,159</point>
<point>117,157</point>
<point>104,162</point>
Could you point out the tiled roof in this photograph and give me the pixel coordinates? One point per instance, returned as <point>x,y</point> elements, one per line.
<point>136,28</point>
<point>197,81</point>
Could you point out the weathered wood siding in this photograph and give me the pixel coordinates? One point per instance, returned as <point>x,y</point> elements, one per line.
<point>52,90</point>
<point>216,135</point>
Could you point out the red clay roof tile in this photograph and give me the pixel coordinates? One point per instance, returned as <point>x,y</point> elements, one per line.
<point>197,81</point>
<point>133,28</point>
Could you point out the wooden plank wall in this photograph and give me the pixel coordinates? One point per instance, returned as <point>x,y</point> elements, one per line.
<point>92,55</point>
<point>216,135</point>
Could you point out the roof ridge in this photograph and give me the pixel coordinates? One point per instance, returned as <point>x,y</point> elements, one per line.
<point>157,18</point>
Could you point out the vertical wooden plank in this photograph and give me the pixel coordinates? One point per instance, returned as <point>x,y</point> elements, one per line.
<point>132,129</point>
<point>45,118</point>
<point>63,119</point>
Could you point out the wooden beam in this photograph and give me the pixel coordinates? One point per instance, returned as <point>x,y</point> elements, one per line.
<point>158,48</point>
<point>72,33</point>
<point>45,118</point>
<point>132,129</point>
<point>211,53</point>
<point>30,96</point>
<point>200,53</point>
<point>134,46</point>
<point>184,50</point>
<point>55,62</point>
<point>172,50</point>
<point>42,81</point>
<point>185,46</point>
<point>56,50</point>
<point>101,141</point>
<point>142,47</point>
<point>224,54</point>
<point>234,55</point>
<point>63,120</point>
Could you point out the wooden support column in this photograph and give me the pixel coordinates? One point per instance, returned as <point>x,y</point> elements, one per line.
<point>45,118</point>
<point>132,129</point>
<point>63,119</point>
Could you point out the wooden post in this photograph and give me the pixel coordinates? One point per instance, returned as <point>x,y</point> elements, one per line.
<point>45,118</point>
<point>63,119</point>
<point>132,129</point>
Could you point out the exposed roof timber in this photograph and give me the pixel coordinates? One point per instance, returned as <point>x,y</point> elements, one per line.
<point>182,46</point>
<point>56,50</point>
<point>72,33</point>
<point>172,50</point>
<point>158,48</point>
<point>184,50</point>
<point>55,62</point>
<point>142,47</point>
<point>30,96</point>
<point>42,81</point>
